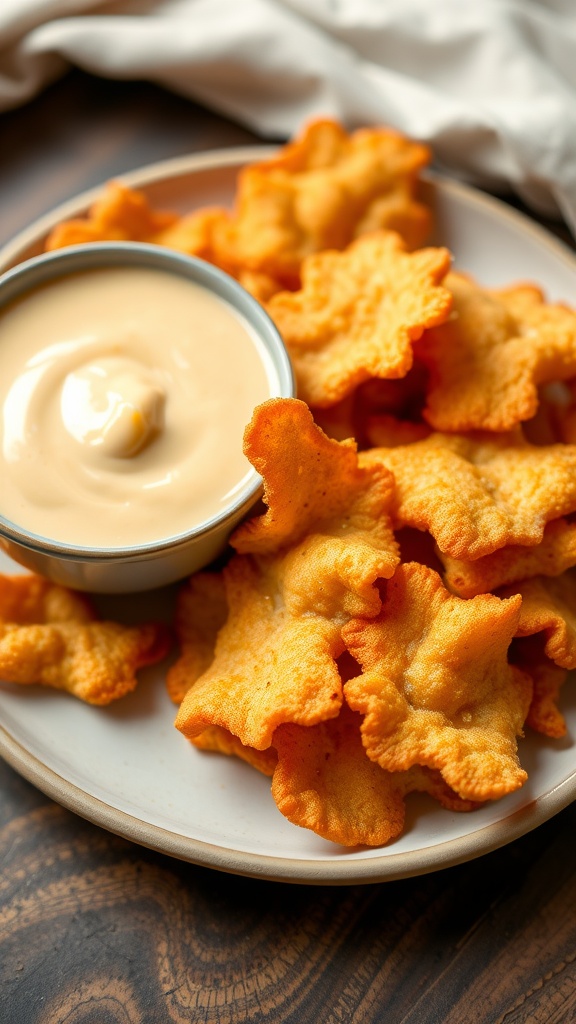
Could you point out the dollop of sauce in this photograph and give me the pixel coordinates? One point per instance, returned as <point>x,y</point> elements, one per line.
<point>115,403</point>
<point>124,395</point>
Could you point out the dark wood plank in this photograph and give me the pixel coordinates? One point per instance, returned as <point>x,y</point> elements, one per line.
<point>95,930</point>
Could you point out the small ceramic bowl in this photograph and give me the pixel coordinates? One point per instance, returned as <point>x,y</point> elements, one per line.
<point>144,566</point>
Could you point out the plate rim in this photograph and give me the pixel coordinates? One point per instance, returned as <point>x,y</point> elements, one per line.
<point>310,871</point>
<point>137,178</point>
<point>148,174</point>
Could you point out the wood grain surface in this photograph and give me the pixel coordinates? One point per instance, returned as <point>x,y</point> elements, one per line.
<point>95,930</point>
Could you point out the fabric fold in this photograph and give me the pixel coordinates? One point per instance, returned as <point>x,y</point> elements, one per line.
<point>491,86</point>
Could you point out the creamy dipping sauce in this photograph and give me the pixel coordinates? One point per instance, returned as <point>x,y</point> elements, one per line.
<point>125,393</point>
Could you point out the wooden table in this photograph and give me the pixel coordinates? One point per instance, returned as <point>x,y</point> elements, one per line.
<point>95,930</point>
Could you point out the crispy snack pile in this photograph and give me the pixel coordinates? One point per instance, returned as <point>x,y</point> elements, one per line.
<point>320,192</point>
<point>404,607</point>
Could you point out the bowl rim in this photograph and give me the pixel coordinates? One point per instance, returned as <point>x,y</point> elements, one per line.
<point>38,270</point>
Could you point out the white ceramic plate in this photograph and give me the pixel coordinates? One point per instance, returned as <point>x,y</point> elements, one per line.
<point>127,769</point>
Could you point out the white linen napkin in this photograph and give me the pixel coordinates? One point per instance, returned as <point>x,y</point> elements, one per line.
<point>491,84</point>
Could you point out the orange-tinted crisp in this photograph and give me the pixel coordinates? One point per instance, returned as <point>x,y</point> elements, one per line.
<point>322,191</point>
<point>549,607</point>
<point>220,741</point>
<point>124,214</point>
<point>358,313</point>
<point>201,611</point>
<point>47,637</point>
<point>553,555</point>
<point>31,600</point>
<point>195,233</point>
<point>308,478</point>
<point>487,361</point>
<point>436,688</point>
<point>325,782</point>
<point>120,214</point>
<point>319,192</point>
<point>478,493</point>
<point>384,431</point>
<point>544,714</point>
<point>269,666</point>
<point>329,517</point>
<point>321,546</point>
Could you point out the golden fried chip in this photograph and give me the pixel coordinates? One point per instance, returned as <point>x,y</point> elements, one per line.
<point>554,404</point>
<point>476,494</point>
<point>383,431</point>
<point>549,607</point>
<point>555,553</point>
<point>96,661</point>
<point>402,397</point>
<point>389,412</point>
<point>358,313</point>
<point>323,544</point>
<point>544,715</point>
<point>309,479</point>
<point>222,742</point>
<point>269,666</point>
<point>379,413</point>
<point>123,214</point>
<point>30,599</point>
<point>324,143</point>
<point>285,208</point>
<point>120,214</point>
<point>200,613</point>
<point>204,233</point>
<point>47,637</point>
<point>555,419</point>
<point>339,421</point>
<point>486,362</point>
<point>436,688</point>
<point>325,782</point>
<point>195,233</point>
<point>565,414</point>
<point>418,546</point>
<point>322,191</point>
<point>261,286</point>
<point>329,517</point>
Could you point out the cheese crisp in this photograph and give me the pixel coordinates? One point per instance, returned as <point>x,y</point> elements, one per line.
<point>358,313</point>
<point>478,493</point>
<point>50,635</point>
<point>120,215</point>
<point>436,688</point>
<point>486,363</point>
